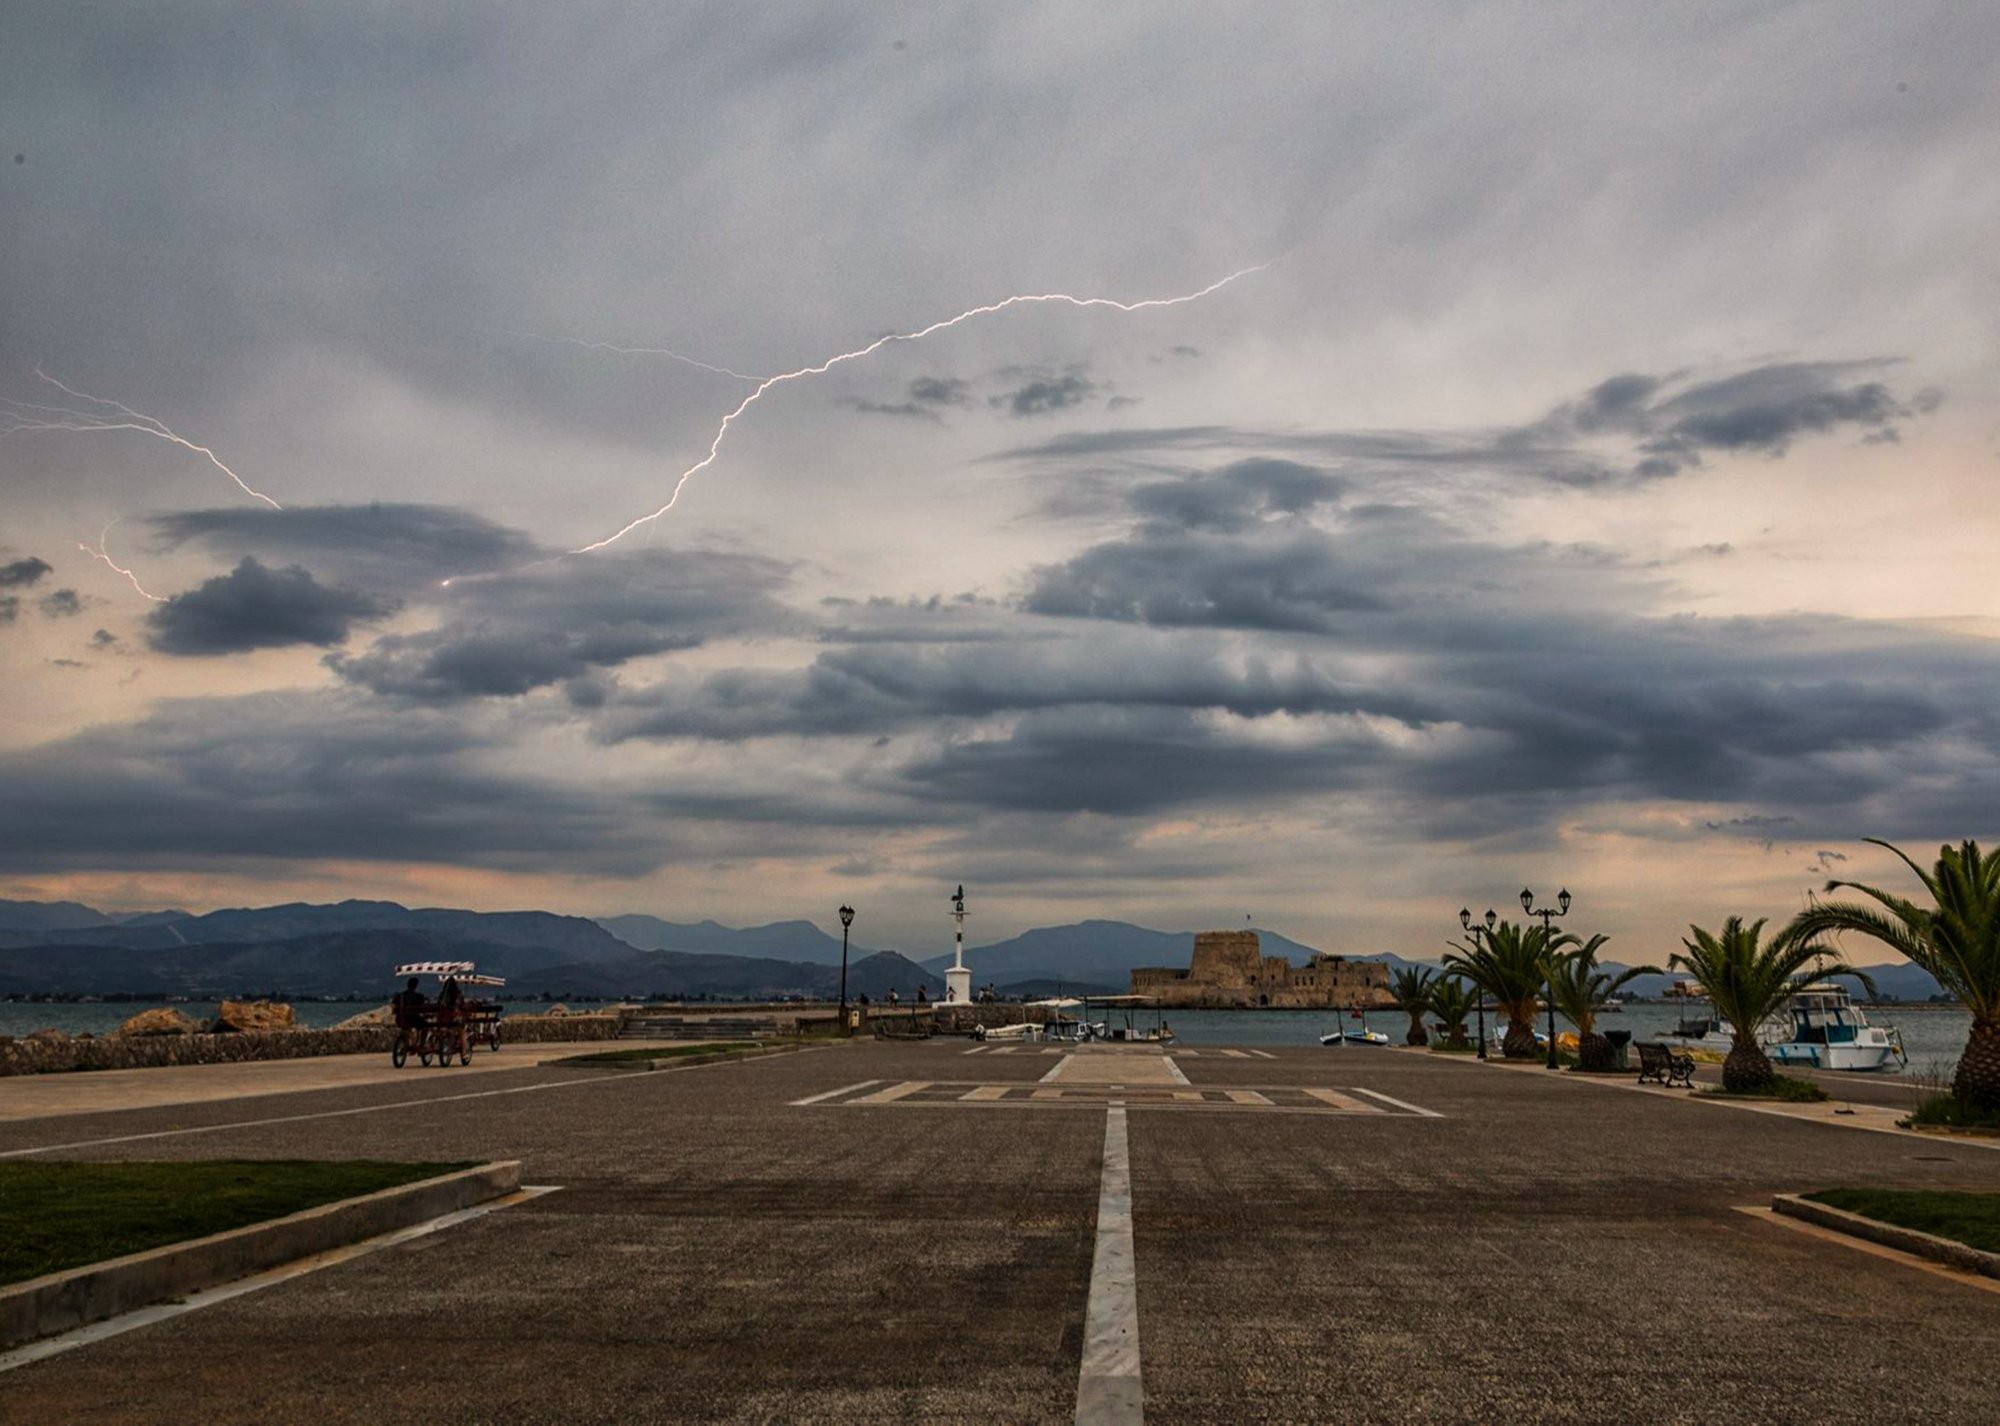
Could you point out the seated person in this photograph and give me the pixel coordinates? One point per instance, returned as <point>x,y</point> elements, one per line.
<point>409,1000</point>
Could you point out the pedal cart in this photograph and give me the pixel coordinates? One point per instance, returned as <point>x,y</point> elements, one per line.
<point>439,1014</point>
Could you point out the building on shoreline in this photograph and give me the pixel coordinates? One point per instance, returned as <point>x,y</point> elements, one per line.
<point>1229,971</point>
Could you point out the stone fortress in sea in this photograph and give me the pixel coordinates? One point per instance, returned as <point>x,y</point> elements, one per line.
<point>1229,971</point>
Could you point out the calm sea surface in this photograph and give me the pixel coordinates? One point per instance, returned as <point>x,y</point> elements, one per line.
<point>1934,1035</point>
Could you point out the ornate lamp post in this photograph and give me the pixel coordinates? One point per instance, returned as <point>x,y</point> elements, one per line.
<point>1548,914</point>
<point>846,920</point>
<point>1465,921</point>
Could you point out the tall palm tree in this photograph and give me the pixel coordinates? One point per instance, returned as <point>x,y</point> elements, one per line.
<point>1451,1002</point>
<point>1749,982</point>
<point>1578,988</point>
<point>1510,963</point>
<point>1411,987</point>
<point>1956,939</point>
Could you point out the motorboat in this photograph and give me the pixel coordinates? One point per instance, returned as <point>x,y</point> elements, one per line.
<point>1362,1036</point>
<point>1819,1026</point>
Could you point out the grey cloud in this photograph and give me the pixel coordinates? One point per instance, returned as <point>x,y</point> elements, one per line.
<point>379,546</point>
<point>224,780</point>
<point>10,608</point>
<point>23,572</point>
<point>1176,581</point>
<point>253,607</point>
<point>940,391</point>
<point>60,604</point>
<point>1046,395</point>
<point>513,634</point>
<point>103,639</point>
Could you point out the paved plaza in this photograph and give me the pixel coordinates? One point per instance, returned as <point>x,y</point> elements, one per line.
<point>940,1231</point>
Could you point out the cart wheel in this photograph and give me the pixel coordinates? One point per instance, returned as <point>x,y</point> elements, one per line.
<point>464,1050</point>
<point>424,1053</point>
<point>493,1039</point>
<point>400,1055</point>
<point>443,1052</point>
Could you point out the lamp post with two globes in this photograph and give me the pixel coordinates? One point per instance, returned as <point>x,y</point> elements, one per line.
<point>846,920</point>
<point>1465,922</point>
<point>1548,914</point>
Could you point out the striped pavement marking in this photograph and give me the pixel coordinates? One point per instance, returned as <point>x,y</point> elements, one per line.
<point>1400,1104</point>
<point>1108,1387</point>
<point>894,1092</point>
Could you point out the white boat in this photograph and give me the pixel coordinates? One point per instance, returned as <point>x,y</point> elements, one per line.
<point>1362,1036</point>
<point>1820,1026</point>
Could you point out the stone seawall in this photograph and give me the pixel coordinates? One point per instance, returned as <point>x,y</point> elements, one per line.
<point>101,1052</point>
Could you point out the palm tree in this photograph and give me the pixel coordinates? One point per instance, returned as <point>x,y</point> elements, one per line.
<point>1411,986</point>
<point>1578,988</point>
<point>1748,983</point>
<point>1509,963</point>
<point>1956,939</point>
<point>1451,1002</point>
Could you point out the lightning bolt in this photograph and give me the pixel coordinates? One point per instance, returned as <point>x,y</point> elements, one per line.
<point>638,351</point>
<point>766,383</point>
<point>101,552</point>
<point>18,416</point>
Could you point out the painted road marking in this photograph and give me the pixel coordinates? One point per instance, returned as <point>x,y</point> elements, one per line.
<point>1264,1054</point>
<point>894,1092</point>
<point>835,1093</point>
<point>595,1081</point>
<point>1246,1096</point>
<point>1045,1094</point>
<point>977,1050</point>
<point>1398,1103</point>
<point>1108,1389</point>
<point>1342,1101</point>
<point>193,1302</point>
<point>986,1091</point>
<point>1175,1071</point>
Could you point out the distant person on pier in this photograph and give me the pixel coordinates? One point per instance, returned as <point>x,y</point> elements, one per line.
<point>894,999</point>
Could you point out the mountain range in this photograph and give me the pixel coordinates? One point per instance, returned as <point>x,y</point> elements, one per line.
<point>351,947</point>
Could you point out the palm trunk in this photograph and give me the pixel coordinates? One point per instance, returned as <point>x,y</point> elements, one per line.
<point>1977,1081</point>
<point>1747,1069</point>
<point>1416,1035</point>
<point>1594,1052</point>
<point>1519,1043</point>
<point>1457,1040</point>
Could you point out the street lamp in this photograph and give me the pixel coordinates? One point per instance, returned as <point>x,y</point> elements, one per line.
<point>1465,921</point>
<point>1548,914</point>
<point>846,920</point>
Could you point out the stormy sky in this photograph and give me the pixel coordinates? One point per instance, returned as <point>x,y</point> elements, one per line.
<point>1591,485</point>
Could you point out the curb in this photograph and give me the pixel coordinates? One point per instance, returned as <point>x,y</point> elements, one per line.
<point>670,1062</point>
<point>59,1302</point>
<point>1889,1235</point>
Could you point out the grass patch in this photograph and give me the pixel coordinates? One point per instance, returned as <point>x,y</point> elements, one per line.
<point>1440,1048</point>
<point>663,1052</point>
<point>1969,1218</point>
<point>1788,1088</point>
<point>55,1216</point>
<point>1946,1111</point>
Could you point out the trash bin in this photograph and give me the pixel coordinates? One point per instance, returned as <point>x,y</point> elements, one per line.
<point>1621,1041</point>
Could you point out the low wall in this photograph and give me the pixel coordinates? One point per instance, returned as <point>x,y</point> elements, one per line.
<point>101,1052</point>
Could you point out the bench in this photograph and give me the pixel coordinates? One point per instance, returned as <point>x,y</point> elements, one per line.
<point>1664,1066</point>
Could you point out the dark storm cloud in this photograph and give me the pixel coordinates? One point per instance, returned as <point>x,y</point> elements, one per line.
<point>1632,427</point>
<point>298,776</point>
<point>103,639</point>
<point>253,607</point>
<point>60,604</point>
<point>22,573</point>
<point>1045,395</point>
<point>927,398</point>
<point>379,546</point>
<point>10,608</point>
<point>1235,496</point>
<point>1174,581</point>
<point>510,635</point>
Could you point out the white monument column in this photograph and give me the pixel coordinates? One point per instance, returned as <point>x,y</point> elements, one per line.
<point>958,979</point>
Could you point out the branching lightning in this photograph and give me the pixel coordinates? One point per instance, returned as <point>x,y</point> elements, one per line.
<point>614,348</point>
<point>766,383</point>
<point>102,552</point>
<point>109,415</point>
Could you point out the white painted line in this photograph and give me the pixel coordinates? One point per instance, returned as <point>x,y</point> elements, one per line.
<point>594,1080</point>
<point>1246,1096</point>
<point>1055,1071</point>
<point>893,1093</point>
<point>1175,1070</point>
<point>1342,1101</point>
<point>1006,1049</point>
<point>1398,1103</point>
<point>1107,1387</point>
<point>977,1050</point>
<point>1266,1054</point>
<point>985,1092</point>
<point>1234,1054</point>
<point>194,1302</point>
<point>834,1093</point>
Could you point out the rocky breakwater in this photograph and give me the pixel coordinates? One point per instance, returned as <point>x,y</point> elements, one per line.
<point>164,1036</point>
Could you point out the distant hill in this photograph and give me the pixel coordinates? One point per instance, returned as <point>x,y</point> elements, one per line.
<point>1103,953</point>
<point>40,916</point>
<point>781,940</point>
